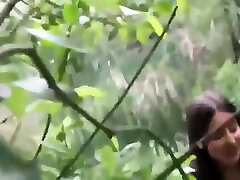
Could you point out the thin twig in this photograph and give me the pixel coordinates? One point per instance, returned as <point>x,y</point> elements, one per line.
<point>49,119</point>
<point>63,64</point>
<point>7,9</point>
<point>53,4</point>
<point>26,3</point>
<point>116,105</point>
<point>31,52</point>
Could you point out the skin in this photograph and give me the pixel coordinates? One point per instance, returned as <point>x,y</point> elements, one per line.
<point>224,145</point>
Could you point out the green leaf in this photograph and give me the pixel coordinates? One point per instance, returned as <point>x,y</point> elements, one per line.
<point>75,1</point>
<point>46,106</point>
<point>129,12</point>
<point>8,76</point>
<point>123,33</point>
<point>188,160</point>
<point>115,142</point>
<point>183,5</point>
<point>145,156</point>
<point>97,28</point>
<point>143,33</point>
<point>192,178</point>
<point>70,13</point>
<point>61,136</point>
<point>144,174</point>
<point>113,33</point>
<point>52,19</point>
<point>103,4</point>
<point>83,6</point>
<point>163,7</point>
<point>60,41</point>
<point>17,102</point>
<point>108,159</point>
<point>155,24</point>
<point>49,169</point>
<point>85,91</point>
<point>75,125</point>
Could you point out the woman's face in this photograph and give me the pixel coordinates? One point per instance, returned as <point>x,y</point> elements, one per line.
<point>224,144</point>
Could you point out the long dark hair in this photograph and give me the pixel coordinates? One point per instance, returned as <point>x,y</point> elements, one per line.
<point>199,115</point>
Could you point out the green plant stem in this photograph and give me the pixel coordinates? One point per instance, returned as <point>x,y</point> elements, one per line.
<point>63,64</point>
<point>49,119</point>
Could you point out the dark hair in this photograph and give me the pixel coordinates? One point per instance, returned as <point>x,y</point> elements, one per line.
<point>199,115</point>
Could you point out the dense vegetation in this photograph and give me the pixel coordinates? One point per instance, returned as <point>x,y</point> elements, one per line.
<point>96,89</point>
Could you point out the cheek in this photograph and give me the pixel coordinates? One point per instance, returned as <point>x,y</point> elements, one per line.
<point>237,137</point>
<point>215,149</point>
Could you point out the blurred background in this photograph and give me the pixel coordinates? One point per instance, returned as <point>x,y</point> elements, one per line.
<point>93,49</point>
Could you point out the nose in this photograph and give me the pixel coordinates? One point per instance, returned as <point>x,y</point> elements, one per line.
<point>229,137</point>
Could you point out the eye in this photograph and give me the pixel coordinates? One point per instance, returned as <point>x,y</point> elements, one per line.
<point>218,134</point>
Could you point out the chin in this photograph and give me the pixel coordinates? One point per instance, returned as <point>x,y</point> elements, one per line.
<point>231,161</point>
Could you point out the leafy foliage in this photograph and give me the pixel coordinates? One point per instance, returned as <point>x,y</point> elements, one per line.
<point>92,49</point>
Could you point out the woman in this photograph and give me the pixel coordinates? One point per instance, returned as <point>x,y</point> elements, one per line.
<point>218,156</point>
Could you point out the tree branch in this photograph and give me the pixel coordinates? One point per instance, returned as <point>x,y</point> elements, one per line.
<point>170,169</point>
<point>124,94</point>
<point>31,52</point>
<point>7,9</point>
<point>176,163</point>
<point>49,119</point>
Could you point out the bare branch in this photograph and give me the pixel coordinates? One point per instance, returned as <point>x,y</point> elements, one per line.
<point>31,52</point>
<point>124,94</point>
<point>49,119</point>
<point>7,9</point>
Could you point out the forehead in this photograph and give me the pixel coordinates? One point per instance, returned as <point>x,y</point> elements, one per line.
<point>219,119</point>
